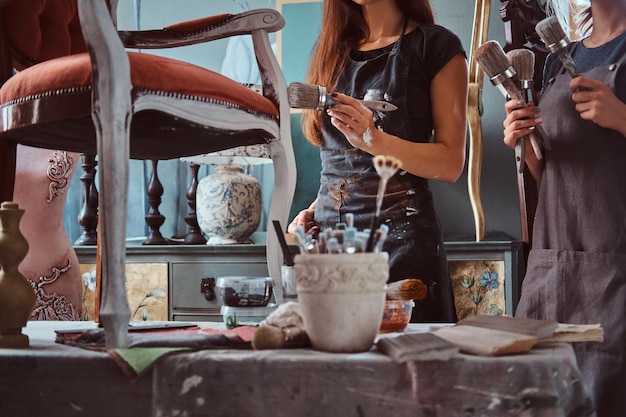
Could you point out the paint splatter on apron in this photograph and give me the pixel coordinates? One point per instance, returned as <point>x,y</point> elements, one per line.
<point>349,184</point>
<point>576,270</point>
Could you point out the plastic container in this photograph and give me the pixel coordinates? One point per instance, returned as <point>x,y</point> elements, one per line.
<point>245,316</point>
<point>240,291</point>
<point>396,315</point>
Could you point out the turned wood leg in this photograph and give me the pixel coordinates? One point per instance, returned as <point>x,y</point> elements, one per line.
<point>155,219</point>
<point>194,235</point>
<point>88,216</point>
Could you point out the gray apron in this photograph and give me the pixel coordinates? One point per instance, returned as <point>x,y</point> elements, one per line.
<point>349,184</point>
<point>576,269</point>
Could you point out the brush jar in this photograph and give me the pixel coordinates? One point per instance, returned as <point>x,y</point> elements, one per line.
<point>342,297</point>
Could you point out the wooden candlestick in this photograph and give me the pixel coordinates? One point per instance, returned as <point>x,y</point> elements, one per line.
<point>17,297</point>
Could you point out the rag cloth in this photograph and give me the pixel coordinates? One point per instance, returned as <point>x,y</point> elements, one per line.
<point>146,347</point>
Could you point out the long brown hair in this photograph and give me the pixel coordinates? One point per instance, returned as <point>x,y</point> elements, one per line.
<point>343,29</point>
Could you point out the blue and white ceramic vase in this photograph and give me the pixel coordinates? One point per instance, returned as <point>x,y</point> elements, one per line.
<point>228,205</point>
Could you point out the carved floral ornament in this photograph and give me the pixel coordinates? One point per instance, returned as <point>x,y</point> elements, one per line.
<point>350,273</point>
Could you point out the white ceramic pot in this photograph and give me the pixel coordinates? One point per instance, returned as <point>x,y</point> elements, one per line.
<point>342,298</point>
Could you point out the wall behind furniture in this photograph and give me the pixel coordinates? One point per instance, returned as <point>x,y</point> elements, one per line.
<point>498,185</point>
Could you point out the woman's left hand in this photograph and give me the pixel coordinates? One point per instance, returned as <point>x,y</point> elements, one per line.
<point>595,101</point>
<point>353,119</point>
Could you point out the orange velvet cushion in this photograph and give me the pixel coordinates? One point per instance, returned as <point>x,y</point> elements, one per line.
<point>149,74</point>
<point>43,29</point>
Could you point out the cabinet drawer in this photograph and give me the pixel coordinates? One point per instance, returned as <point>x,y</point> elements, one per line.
<point>186,282</point>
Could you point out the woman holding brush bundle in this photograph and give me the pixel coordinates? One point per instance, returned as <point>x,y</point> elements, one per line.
<point>576,270</point>
<point>389,50</point>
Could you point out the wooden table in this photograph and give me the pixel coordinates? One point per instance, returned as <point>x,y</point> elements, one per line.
<point>58,380</point>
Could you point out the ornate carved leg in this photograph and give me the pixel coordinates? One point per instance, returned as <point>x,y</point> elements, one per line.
<point>194,235</point>
<point>111,113</point>
<point>155,219</point>
<point>88,216</point>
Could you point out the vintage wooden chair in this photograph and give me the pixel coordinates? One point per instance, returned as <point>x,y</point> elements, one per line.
<point>77,88</point>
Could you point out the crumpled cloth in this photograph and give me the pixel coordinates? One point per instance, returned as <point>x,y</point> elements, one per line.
<point>145,347</point>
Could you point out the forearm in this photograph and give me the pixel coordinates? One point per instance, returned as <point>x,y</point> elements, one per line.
<point>438,160</point>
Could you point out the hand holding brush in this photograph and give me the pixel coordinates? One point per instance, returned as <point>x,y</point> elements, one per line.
<point>497,66</point>
<point>308,96</point>
<point>523,62</point>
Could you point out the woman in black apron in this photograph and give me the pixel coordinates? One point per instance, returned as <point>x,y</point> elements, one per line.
<point>577,266</point>
<point>398,56</point>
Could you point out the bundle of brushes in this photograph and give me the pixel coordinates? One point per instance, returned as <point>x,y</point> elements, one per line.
<point>344,238</point>
<point>497,66</point>
<point>308,96</point>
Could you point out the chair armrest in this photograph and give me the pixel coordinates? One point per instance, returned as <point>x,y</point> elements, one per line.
<point>204,30</point>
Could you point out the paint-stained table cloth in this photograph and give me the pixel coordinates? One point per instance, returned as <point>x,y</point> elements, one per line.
<point>58,380</point>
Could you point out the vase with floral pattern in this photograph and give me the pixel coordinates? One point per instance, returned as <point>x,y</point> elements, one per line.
<point>228,205</point>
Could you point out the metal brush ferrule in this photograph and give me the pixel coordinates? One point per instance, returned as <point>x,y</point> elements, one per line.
<point>554,47</point>
<point>323,99</point>
<point>503,76</point>
<point>526,84</point>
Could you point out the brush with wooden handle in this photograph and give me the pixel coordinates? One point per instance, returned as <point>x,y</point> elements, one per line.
<point>555,39</point>
<point>523,62</point>
<point>406,289</point>
<point>497,66</point>
<point>386,167</point>
<point>309,96</point>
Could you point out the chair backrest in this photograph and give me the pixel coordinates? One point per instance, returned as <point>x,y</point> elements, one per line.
<point>42,30</point>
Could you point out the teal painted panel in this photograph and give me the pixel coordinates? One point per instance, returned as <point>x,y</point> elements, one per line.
<point>308,165</point>
<point>302,26</point>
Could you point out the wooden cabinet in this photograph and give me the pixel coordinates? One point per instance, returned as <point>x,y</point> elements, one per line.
<point>493,268</point>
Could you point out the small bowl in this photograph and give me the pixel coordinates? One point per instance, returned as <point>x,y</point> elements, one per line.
<point>244,291</point>
<point>396,315</point>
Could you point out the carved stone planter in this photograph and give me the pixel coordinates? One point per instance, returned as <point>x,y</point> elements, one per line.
<point>342,298</point>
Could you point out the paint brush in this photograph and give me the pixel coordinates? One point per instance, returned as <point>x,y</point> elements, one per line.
<point>287,258</point>
<point>386,167</point>
<point>555,39</point>
<point>523,62</point>
<point>497,66</point>
<point>406,289</point>
<point>308,96</point>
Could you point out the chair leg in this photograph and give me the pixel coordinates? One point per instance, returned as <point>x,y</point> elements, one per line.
<point>111,114</point>
<point>280,206</point>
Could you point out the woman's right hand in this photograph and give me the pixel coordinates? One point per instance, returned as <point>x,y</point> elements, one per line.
<point>304,218</point>
<point>521,119</point>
